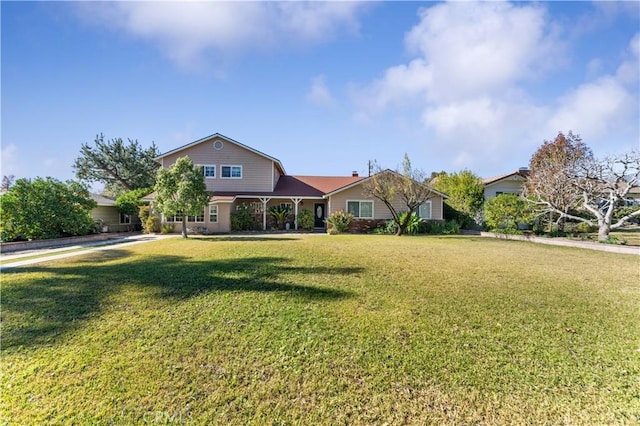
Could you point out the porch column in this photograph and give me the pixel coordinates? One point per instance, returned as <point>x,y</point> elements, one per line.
<point>264,200</point>
<point>295,220</point>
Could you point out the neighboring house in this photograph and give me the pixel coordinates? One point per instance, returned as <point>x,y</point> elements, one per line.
<point>510,183</point>
<point>109,219</point>
<point>237,174</point>
<point>633,197</point>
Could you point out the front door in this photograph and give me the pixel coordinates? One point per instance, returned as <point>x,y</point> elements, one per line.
<point>318,214</point>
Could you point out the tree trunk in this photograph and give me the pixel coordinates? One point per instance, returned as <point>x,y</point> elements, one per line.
<point>184,226</point>
<point>603,232</point>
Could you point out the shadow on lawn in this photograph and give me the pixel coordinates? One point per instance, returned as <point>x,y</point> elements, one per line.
<point>60,298</point>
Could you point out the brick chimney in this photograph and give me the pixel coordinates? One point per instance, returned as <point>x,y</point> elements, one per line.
<point>354,173</point>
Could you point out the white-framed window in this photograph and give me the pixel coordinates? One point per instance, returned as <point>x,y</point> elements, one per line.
<point>196,219</point>
<point>175,218</point>
<point>424,210</point>
<point>361,209</point>
<point>178,218</point>
<point>125,219</point>
<point>231,172</point>
<point>288,206</point>
<point>209,171</point>
<point>213,213</point>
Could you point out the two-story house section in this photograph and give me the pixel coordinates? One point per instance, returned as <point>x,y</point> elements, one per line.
<point>239,176</point>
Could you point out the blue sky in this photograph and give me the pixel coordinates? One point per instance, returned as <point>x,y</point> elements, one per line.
<point>324,87</point>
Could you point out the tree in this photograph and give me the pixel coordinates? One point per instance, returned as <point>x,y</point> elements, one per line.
<point>120,166</point>
<point>391,186</point>
<point>465,191</point>
<point>181,189</point>
<point>45,208</point>
<point>566,180</point>
<point>505,212</point>
<point>552,168</point>
<point>7,181</point>
<point>130,201</point>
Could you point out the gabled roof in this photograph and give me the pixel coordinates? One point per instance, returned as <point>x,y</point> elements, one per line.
<point>219,136</point>
<point>327,184</point>
<point>102,200</point>
<point>523,173</point>
<point>362,180</point>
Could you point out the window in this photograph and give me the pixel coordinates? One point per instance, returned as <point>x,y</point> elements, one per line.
<point>231,172</point>
<point>360,209</point>
<point>255,207</point>
<point>287,206</point>
<point>196,219</point>
<point>213,214</point>
<point>175,218</point>
<point>209,171</point>
<point>424,210</point>
<point>178,218</point>
<point>125,219</point>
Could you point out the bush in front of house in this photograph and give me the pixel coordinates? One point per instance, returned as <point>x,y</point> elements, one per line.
<point>338,222</point>
<point>152,224</point>
<point>44,208</point>
<point>305,219</point>
<point>242,219</point>
<point>505,212</point>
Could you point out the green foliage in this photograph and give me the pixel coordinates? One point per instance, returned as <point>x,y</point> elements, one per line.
<point>450,227</point>
<point>614,240</point>
<point>305,219</point>
<point>506,211</point>
<point>339,222</point>
<point>45,208</point>
<point>121,167</point>
<point>625,211</point>
<point>181,188</point>
<point>279,214</point>
<point>130,201</point>
<point>242,219</point>
<point>143,213</point>
<point>166,228</point>
<point>466,194</point>
<point>152,224</point>
<point>413,222</point>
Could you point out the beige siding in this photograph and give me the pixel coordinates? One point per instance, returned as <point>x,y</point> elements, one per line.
<point>257,171</point>
<point>380,211</point>
<point>512,185</point>
<point>222,226</point>
<point>110,217</point>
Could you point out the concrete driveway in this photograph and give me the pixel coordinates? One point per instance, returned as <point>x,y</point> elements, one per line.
<point>27,257</point>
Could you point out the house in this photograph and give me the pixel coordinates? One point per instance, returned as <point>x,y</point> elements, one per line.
<point>109,219</point>
<point>510,183</point>
<point>237,174</point>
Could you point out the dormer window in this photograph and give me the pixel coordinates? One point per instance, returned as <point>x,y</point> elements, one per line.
<point>231,172</point>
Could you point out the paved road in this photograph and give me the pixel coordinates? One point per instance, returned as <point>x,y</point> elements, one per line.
<point>17,259</point>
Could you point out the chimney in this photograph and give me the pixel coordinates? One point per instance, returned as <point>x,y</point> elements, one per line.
<point>354,174</point>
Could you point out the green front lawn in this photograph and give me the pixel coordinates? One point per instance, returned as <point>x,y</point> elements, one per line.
<point>324,329</point>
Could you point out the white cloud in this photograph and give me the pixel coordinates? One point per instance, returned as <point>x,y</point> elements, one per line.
<point>471,66</point>
<point>319,93</point>
<point>10,163</point>
<point>186,31</point>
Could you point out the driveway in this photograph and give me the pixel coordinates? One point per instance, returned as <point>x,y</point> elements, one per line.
<point>28,257</point>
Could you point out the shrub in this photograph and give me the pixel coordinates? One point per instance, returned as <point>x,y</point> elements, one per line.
<point>585,228</point>
<point>440,228</point>
<point>279,214</point>
<point>167,228</point>
<point>305,219</point>
<point>339,221</point>
<point>505,212</point>
<point>152,224</point>
<point>242,220</point>
<point>143,213</point>
<point>413,226</point>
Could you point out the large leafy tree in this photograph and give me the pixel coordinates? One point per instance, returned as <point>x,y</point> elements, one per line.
<point>181,189</point>
<point>406,186</point>
<point>465,191</point>
<point>45,208</point>
<point>118,165</point>
<point>566,180</point>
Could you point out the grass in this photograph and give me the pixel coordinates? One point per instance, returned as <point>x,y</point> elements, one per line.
<point>324,330</point>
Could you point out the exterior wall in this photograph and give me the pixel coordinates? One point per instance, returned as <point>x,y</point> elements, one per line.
<point>511,185</point>
<point>223,225</point>
<point>380,211</point>
<point>110,217</point>
<point>257,171</point>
